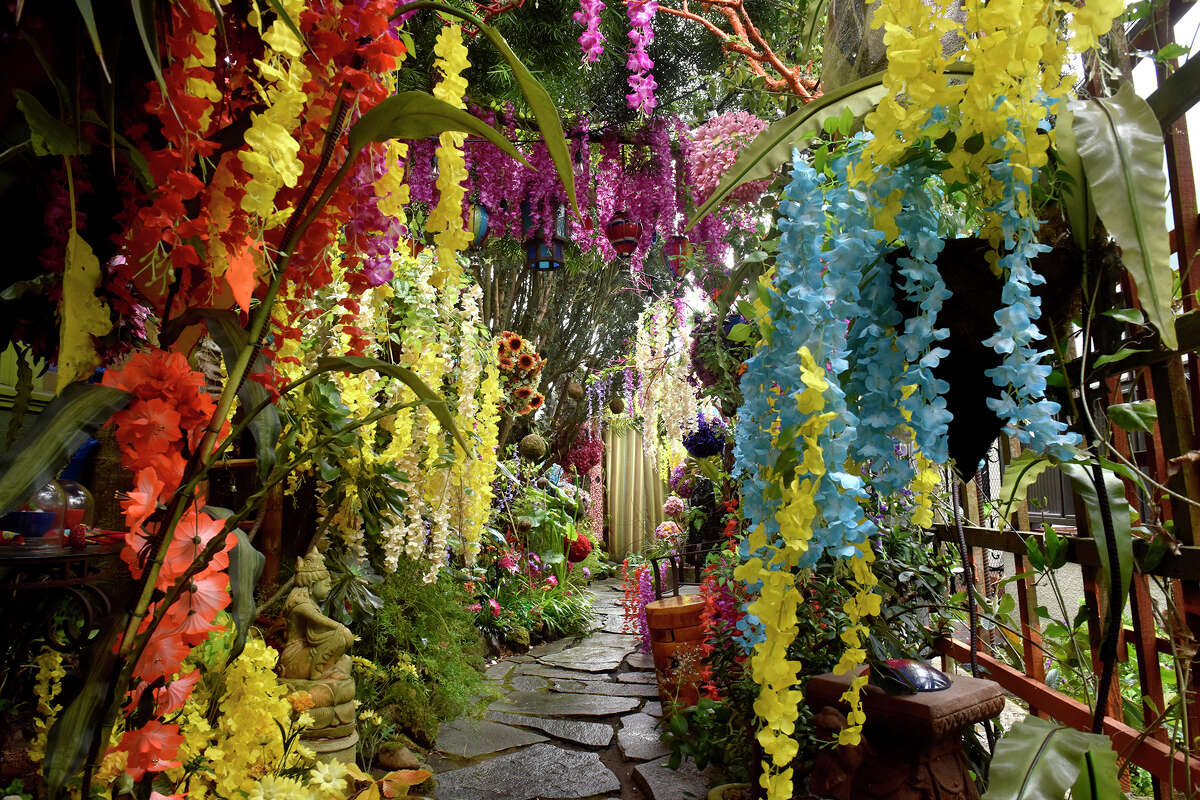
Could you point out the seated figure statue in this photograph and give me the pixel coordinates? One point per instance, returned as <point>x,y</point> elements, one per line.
<point>316,659</point>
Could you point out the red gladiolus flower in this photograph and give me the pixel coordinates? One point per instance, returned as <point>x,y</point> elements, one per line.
<point>143,500</point>
<point>151,749</point>
<point>147,428</point>
<point>192,535</point>
<point>170,698</point>
<point>163,656</point>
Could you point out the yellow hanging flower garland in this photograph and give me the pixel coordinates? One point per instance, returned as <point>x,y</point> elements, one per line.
<point>446,219</point>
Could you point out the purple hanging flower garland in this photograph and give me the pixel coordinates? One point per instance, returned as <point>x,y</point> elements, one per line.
<point>591,40</point>
<point>641,35</point>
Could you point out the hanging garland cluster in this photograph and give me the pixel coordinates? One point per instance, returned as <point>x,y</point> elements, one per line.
<point>857,391</point>
<point>665,399</point>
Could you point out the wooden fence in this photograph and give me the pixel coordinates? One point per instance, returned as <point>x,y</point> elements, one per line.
<point>1171,379</point>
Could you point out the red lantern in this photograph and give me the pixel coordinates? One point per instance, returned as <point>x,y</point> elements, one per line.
<point>676,252</point>
<point>624,234</point>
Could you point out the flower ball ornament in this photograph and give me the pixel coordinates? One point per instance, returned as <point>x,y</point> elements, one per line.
<point>674,507</point>
<point>716,145</point>
<point>579,549</point>
<point>586,452</point>
<point>532,447</point>
<point>669,533</point>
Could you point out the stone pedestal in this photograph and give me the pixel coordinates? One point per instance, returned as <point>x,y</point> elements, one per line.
<point>912,744</point>
<point>343,749</point>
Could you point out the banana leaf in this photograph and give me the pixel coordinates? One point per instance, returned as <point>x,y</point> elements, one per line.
<point>772,148</point>
<point>46,446</point>
<point>544,111</point>
<point>1039,760</point>
<point>432,400</point>
<point>1121,146</point>
<point>419,115</point>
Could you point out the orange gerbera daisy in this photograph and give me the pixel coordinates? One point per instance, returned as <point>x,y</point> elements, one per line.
<point>525,411</point>
<point>515,342</point>
<point>526,361</point>
<point>506,362</point>
<point>536,401</point>
<point>524,392</point>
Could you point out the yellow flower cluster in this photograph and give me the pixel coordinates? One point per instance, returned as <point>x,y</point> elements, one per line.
<point>865,603</point>
<point>778,601</point>
<point>446,220</point>
<point>273,156</point>
<point>47,686</point>
<point>1018,49</point>
<point>246,745</point>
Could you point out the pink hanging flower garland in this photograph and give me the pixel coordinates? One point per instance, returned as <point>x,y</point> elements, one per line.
<point>641,35</point>
<point>591,40</point>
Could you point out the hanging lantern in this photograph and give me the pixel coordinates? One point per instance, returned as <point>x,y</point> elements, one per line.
<point>539,254</point>
<point>477,223</point>
<point>624,234</point>
<point>676,252</point>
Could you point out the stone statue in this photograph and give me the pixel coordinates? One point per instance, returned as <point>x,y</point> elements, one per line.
<point>316,660</point>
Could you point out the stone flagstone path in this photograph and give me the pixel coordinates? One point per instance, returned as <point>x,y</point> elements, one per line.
<point>576,720</point>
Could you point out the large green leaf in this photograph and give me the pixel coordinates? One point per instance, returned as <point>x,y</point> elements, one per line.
<point>89,21</point>
<point>46,446</point>
<point>1081,480</point>
<point>1121,145</point>
<point>419,115</point>
<point>245,566</point>
<point>434,401</point>
<point>1019,475</point>
<point>1076,201</point>
<point>70,738</point>
<point>1039,760</point>
<point>544,111</point>
<point>48,134</point>
<point>1098,778</point>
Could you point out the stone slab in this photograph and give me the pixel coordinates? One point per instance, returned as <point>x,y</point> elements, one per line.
<point>586,657</point>
<point>550,648</point>
<point>604,687</point>
<point>640,660</point>
<point>565,705</point>
<point>591,734</point>
<point>468,737</point>
<point>521,659</point>
<point>653,708</point>
<point>541,671</point>
<point>639,738</point>
<point>627,641</point>
<point>638,677</point>
<point>499,671</point>
<point>543,771</point>
<point>659,782</point>
<point>527,683</point>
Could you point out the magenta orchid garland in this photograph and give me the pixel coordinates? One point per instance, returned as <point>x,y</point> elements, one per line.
<point>641,35</point>
<point>591,40</point>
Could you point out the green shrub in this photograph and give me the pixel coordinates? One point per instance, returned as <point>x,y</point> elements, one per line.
<point>427,651</point>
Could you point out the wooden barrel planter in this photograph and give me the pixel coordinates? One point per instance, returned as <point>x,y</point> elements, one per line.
<point>676,637</point>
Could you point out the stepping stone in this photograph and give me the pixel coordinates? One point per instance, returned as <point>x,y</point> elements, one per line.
<point>587,657</point>
<point>527,683</point>
<point>653,708</point>
<point>468,738</point>
<point>640,660</point>
<point>639,738</point>
<point>565,705</point>
<point>591,734</point>
<point>544,771</point>
<point>541,671</point>
<point>522,659</point>
<point>626,640</point>
<point>638,677</point>
<point>604,687</point>
<point>550,648</point>
<point>659,782</point>
<point>499,671</point>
